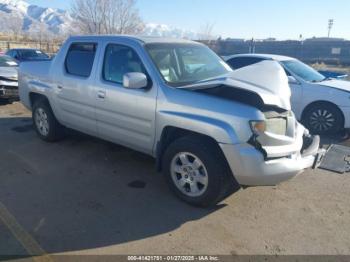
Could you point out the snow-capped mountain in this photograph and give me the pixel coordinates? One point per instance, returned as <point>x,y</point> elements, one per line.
<point>161,30</point>
<point>17,16</point>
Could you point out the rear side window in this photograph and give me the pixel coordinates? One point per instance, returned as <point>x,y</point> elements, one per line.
<point>80,59</point>
<point>240,62</point>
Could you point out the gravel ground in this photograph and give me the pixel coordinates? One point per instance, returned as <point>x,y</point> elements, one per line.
<point>78,196</point>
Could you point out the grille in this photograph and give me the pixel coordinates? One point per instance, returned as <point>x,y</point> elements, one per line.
<point>8,91</point>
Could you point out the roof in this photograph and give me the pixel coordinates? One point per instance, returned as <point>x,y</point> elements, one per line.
<point>142,39</point>
<point>265,56</point>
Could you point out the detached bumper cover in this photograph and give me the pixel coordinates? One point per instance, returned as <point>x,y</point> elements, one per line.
<point>250,168</point>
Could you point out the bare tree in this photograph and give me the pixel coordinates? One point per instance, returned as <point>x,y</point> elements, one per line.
<point>39,32</point>
<point>14,25</point>
<point>107,16</point>
<point>206,32</point>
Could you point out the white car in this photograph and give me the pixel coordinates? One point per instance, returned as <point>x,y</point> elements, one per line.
<point>321,103</point>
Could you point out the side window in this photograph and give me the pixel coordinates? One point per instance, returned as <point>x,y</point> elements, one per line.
<point>119,60</point>
<point>80,59</point>
<point>13,53</point>
<point>16,54</point>
<point>240,62</point>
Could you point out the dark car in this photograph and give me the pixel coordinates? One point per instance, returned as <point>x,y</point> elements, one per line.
<point>27,54</point>
<point>333,74</point>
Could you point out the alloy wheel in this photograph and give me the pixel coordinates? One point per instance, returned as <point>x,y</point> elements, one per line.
<point>189,174</point>
<point>322,120</point>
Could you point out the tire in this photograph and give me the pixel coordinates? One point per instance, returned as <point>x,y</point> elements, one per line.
<point>206,170</point>
<point>45,123</point>
<point>323,119</point>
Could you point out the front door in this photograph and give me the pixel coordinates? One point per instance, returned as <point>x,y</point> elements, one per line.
<point>125,116</point>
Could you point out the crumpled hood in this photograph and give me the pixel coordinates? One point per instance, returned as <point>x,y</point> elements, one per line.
<point>9,72</point>
<point>267,79</point>
<point>338,84</point>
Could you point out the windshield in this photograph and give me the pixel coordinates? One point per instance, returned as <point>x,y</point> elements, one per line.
<point>33,54</point>
<point>182,64</point>
<point>304,71</point>
<point>6,61</point>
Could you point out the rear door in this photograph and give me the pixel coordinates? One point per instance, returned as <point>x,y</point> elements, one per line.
<point>75,95</point>
<point>125,116</point>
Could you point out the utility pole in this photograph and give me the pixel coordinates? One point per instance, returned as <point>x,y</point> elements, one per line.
<point>252,46</point>
<point>330,26</point>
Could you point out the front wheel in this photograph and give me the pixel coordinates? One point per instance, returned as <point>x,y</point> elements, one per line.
<point>323,119</point>
<point>196,171</point>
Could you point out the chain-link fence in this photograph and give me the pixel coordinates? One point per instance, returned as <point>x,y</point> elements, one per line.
<point>47,47</point>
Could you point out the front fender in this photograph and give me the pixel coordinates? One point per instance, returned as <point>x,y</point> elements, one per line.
<point>219,130</point>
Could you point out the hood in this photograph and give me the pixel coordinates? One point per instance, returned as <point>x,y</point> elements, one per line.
<point>338,84</point>
<point>266,79</point>
<point>9,72</point>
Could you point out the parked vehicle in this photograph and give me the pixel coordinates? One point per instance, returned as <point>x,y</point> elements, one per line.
<point>25,54</point>
<point>8,78</point>
<point>322,104</point>
<point>333,74</point>
<point>177,101</point>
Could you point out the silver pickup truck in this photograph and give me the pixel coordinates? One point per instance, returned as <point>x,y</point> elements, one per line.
<point>176,100</point>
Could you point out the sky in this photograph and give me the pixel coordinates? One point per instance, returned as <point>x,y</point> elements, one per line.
<point>281,19</point>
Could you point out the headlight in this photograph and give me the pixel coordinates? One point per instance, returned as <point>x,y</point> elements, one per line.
<point>258,126</point>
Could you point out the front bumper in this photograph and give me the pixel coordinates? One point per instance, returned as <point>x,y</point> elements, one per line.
<point>8,89</point>
<point>250,167</point>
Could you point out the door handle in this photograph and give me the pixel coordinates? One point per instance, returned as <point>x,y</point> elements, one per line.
<point>101,94</point>
<point>60,87</point>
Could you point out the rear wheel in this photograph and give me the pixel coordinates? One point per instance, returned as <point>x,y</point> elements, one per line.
<point>45,123</point>
<point>196,171</point>
<point>323,118</point>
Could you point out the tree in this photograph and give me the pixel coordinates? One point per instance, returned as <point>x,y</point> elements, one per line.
<point>107,16</point>
<point>206,32</point>
<point>12,24</point>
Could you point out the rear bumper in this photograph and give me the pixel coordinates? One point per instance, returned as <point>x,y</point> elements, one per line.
<point>250,168</point>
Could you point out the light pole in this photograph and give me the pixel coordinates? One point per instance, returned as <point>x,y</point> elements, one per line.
<point>330,26</point>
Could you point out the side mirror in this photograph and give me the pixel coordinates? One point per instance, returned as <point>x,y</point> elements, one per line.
<point>292,80</point>
<point>135,80</point>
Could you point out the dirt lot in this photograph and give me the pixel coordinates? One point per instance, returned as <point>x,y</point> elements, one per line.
<point>75,197</point>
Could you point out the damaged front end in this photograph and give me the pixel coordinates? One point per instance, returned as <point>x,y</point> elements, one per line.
<point>280,135</point>
<point>279,147</point>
